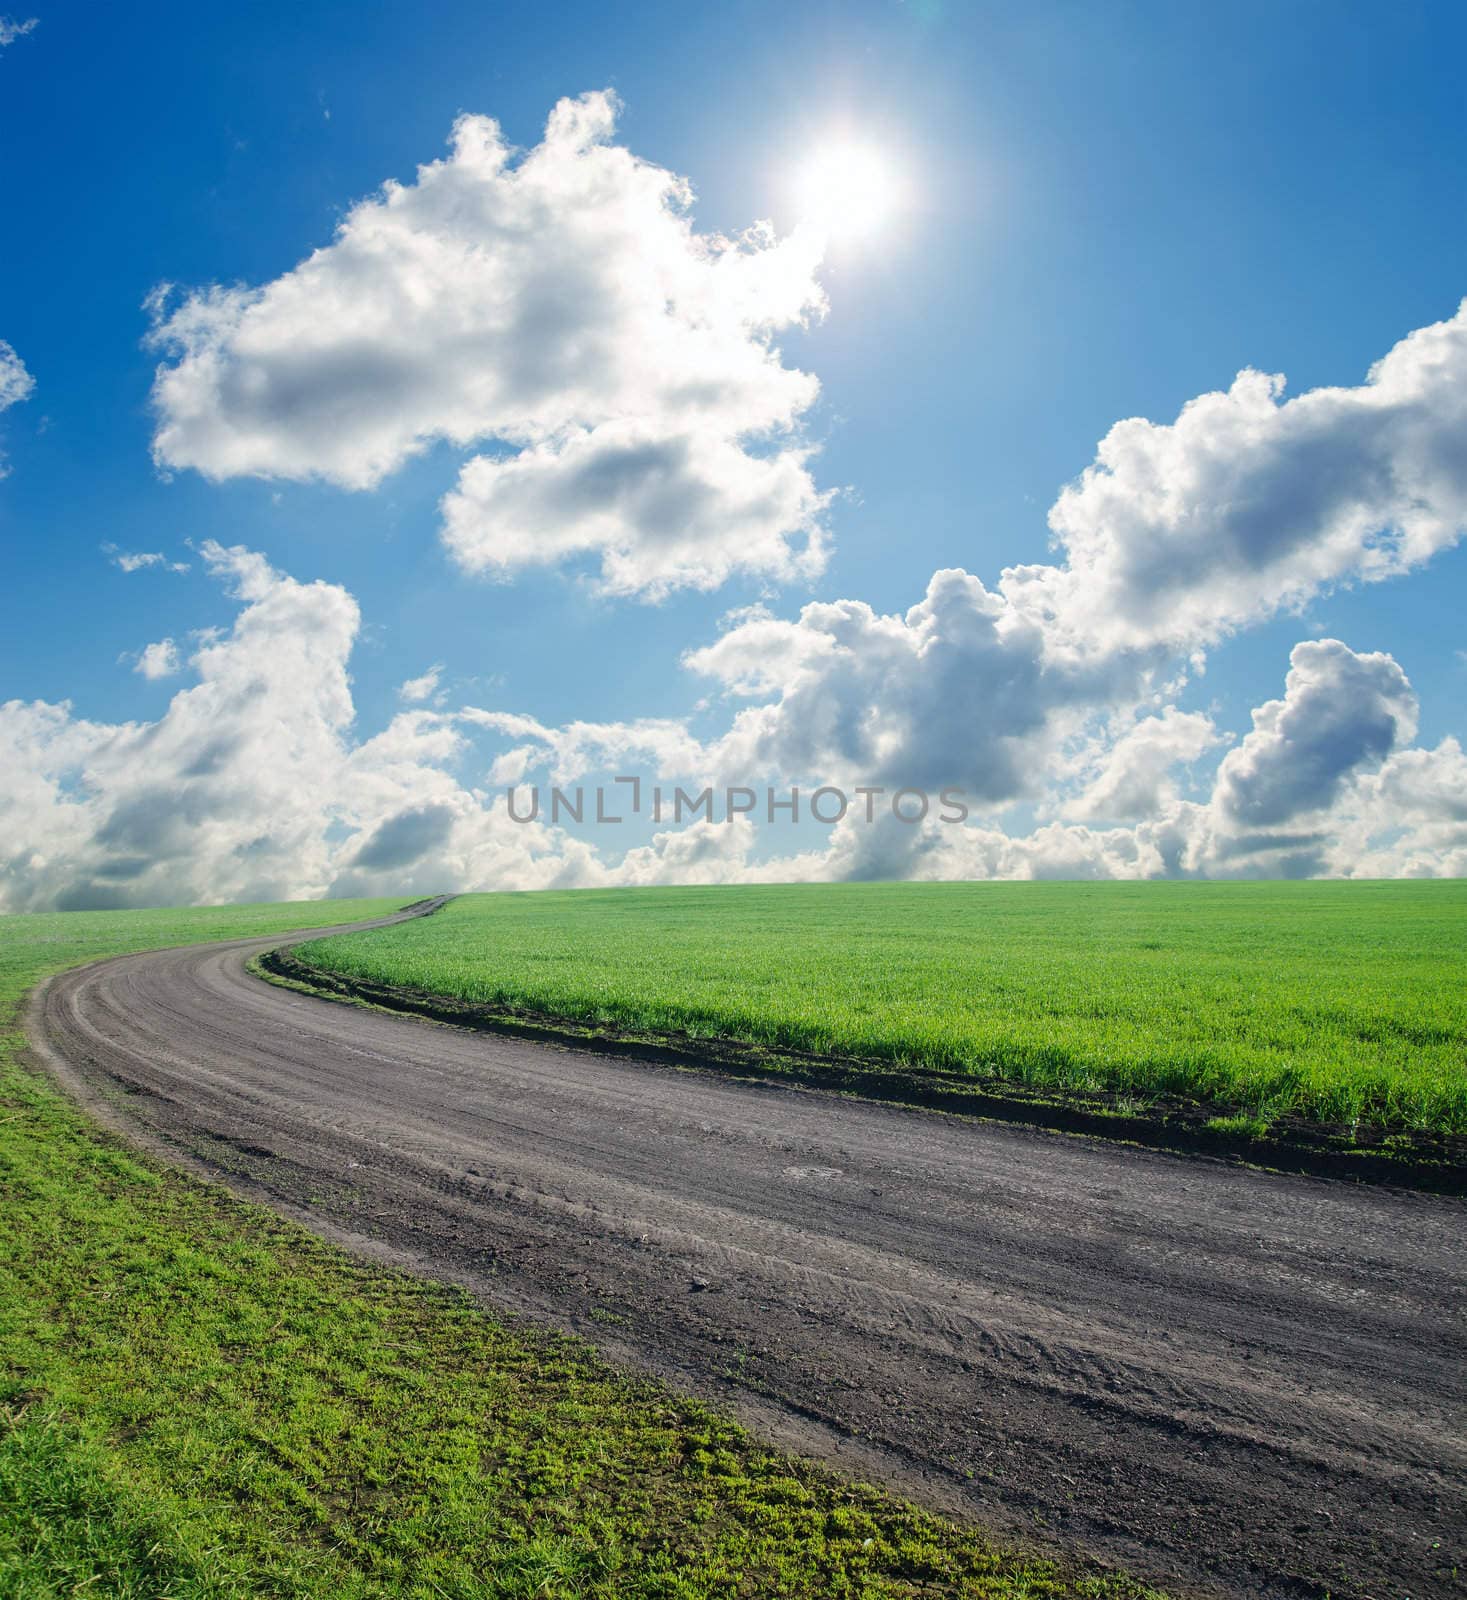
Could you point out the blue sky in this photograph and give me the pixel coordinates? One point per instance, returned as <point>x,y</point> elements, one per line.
<point>1109,211</point>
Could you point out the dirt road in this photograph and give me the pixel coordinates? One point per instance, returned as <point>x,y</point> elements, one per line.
<point>1223,1379</point>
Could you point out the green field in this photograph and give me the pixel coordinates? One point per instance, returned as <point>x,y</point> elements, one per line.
<point>199,1401</point>
<point>1336,1001</point>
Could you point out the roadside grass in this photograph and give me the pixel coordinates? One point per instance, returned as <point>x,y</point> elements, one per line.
<point>1341,1002</point>
<point>200,1401</point>
<point>66,1528</point>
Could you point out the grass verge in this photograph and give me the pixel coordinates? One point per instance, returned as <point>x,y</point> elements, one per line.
<point>201,1400</point>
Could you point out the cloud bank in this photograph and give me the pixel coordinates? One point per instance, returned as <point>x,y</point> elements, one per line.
<point>254,785</point>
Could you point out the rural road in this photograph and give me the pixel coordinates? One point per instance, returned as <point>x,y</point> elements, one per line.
<point>1228,1381</point>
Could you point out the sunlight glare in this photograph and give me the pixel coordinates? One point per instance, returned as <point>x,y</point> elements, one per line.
<point>848,190</point>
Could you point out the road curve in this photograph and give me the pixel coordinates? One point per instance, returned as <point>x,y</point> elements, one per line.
<point>1226,1380</point>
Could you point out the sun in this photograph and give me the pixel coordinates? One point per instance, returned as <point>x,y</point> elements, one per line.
<point>847,189</point>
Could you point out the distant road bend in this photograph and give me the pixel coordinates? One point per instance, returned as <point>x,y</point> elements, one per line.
<point>1228,1381</point>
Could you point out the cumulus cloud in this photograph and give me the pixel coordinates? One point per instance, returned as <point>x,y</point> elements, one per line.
<point>11,30</point>
<point>1341,713</point>
<point>1056,850</point>
<point>1325,784</point>
<point>663,745</point>
<point>1136,775</point>
<point>1412,816</point>
<point>218,799</point>
<point>1425,786</point>
<point>159,660</point>
<point>665,510</point>
<point>964,689</point>
<point>958,690</point>
<point>1248,503</point>
<point>561,306</point>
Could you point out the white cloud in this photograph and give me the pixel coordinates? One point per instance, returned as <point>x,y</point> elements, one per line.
<point>415,690</point>
<point>961,689</point>
<point>666,509</point>
<point>1341,714</point>
<point>1248,504</point>
<point>1134,776</point>
<point>1324,785</point>
<point>1412,819</point>
<point>159,660</point>
<point>220,798</point>
<point>1056,850</point>
<point>701,852</point>
<point>1425,786</point>
<point>16,384</point>
<point>564,307</point>
<point>140,560</point>
<point>651,744</point>
<point>11,30</point>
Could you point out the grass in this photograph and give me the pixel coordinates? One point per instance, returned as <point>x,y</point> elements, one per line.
<point>200,1401</point>
<point>1339,1002</point>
